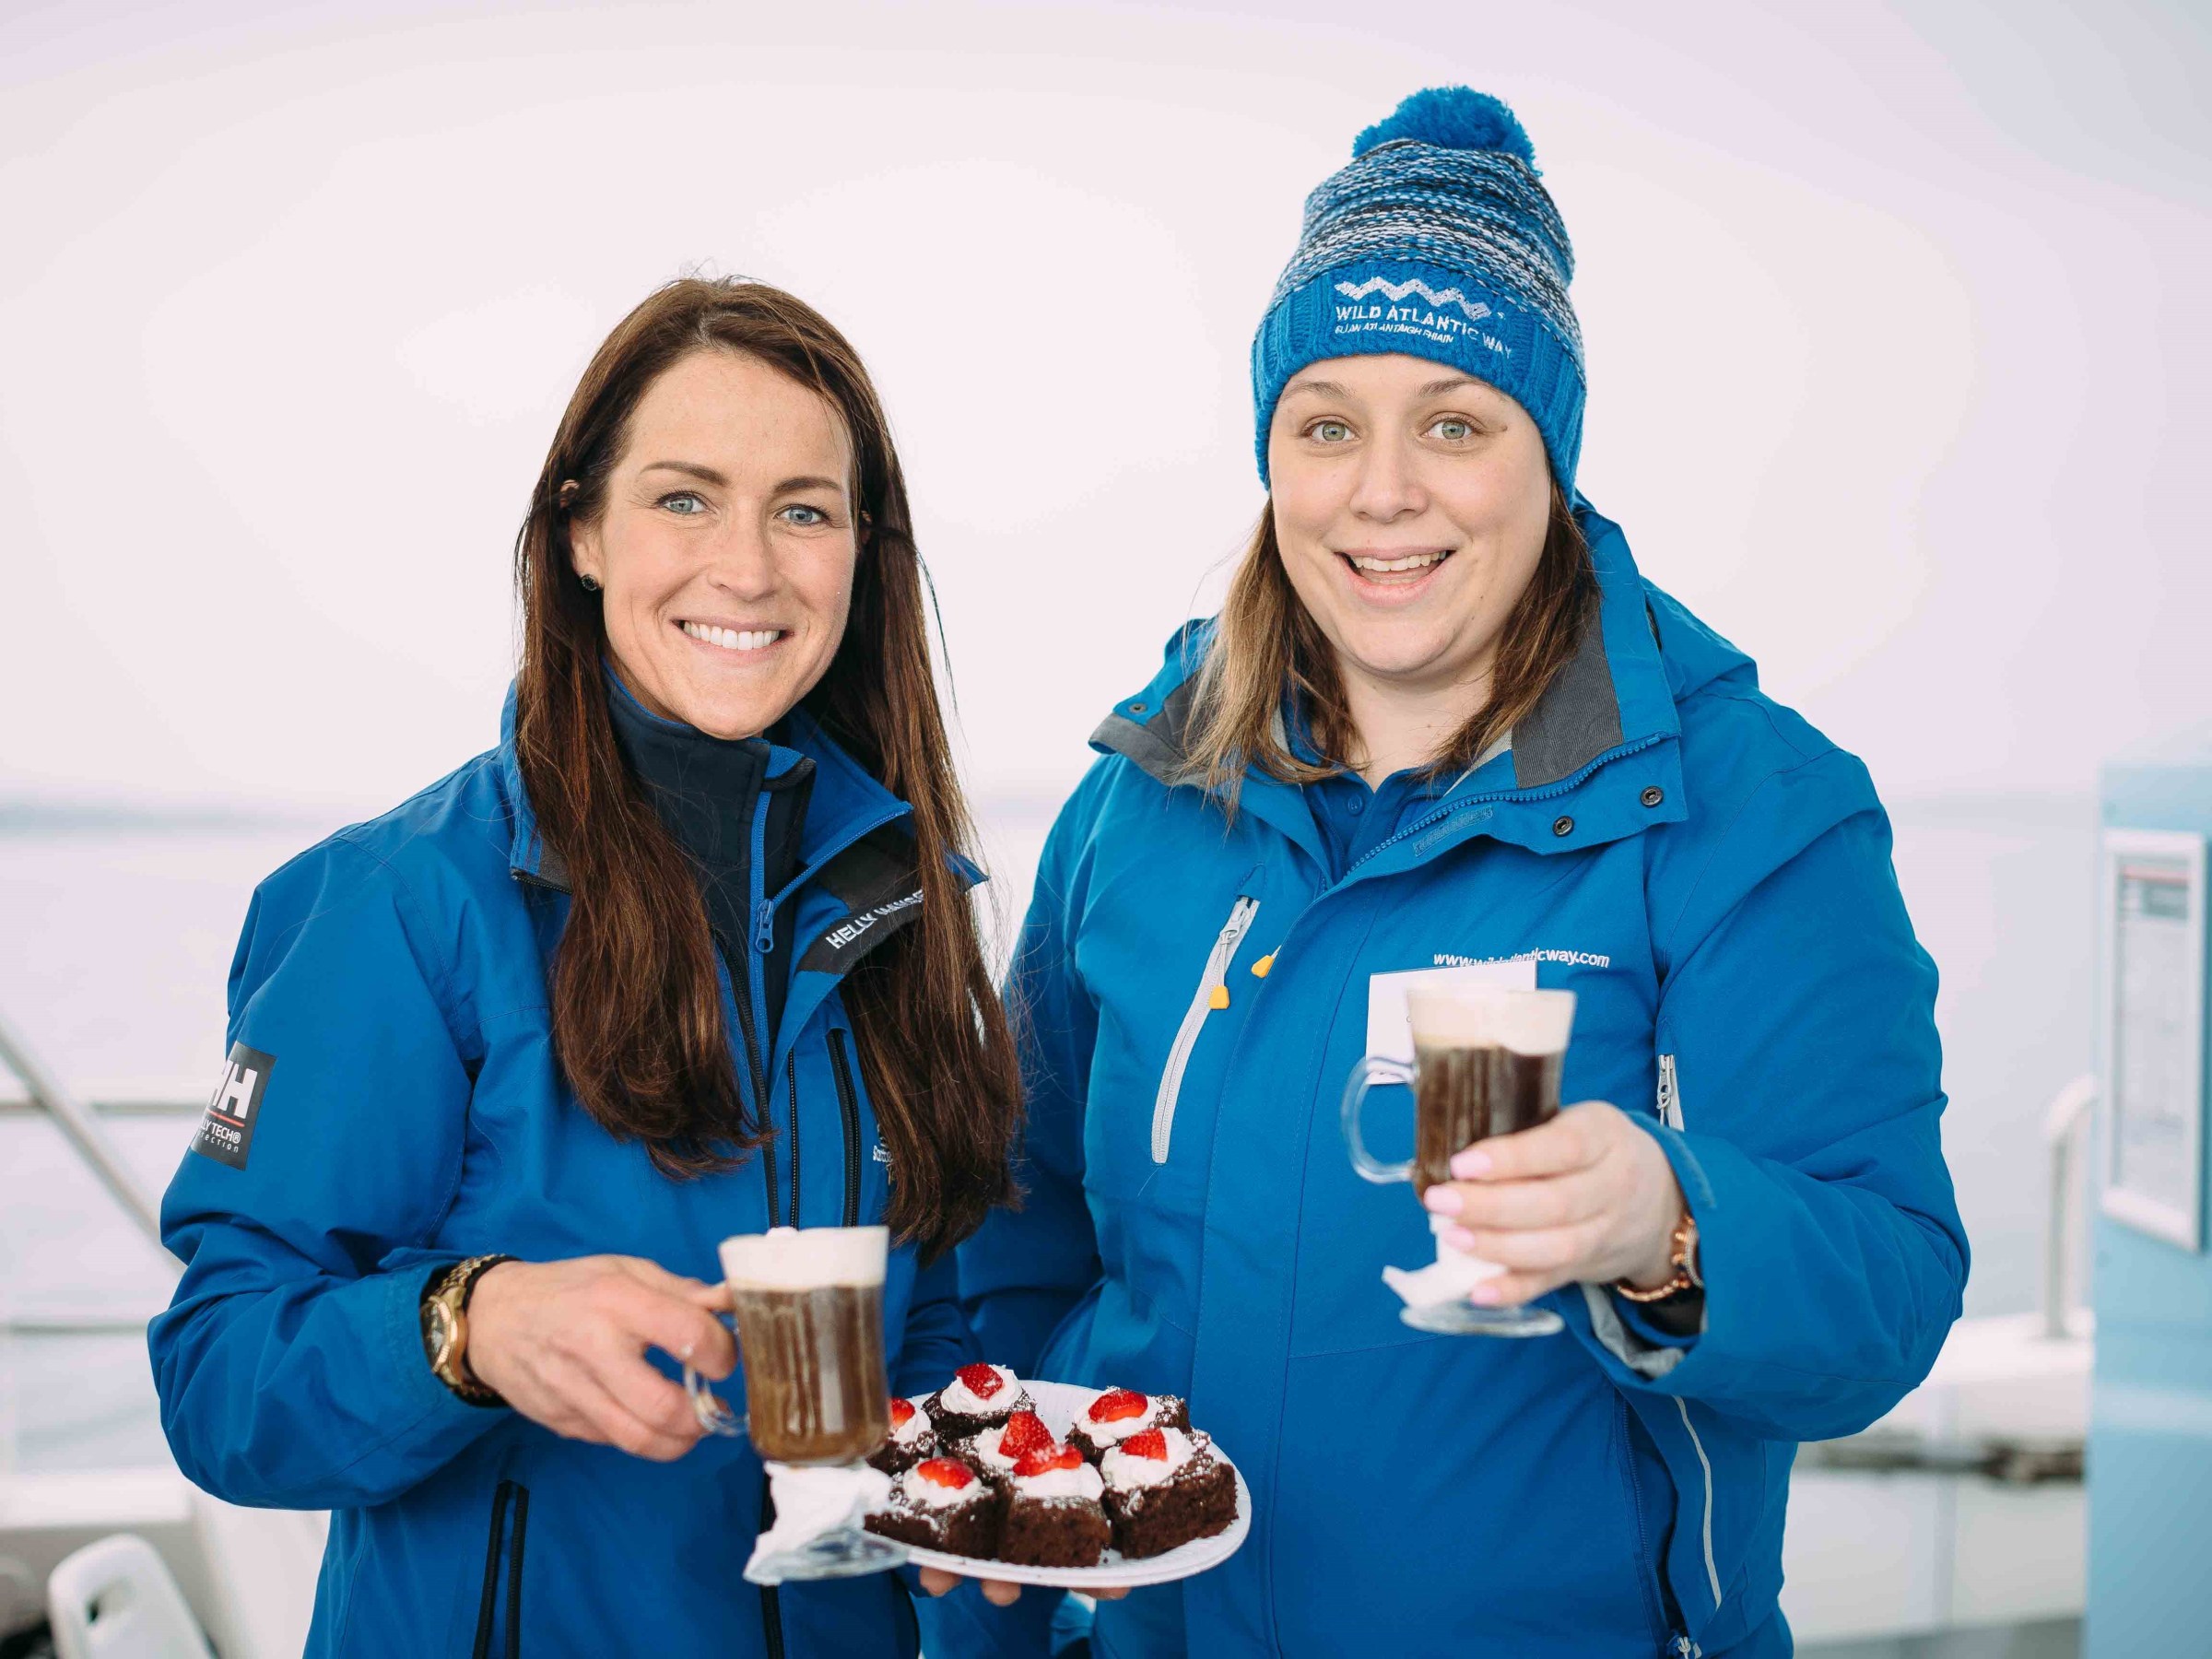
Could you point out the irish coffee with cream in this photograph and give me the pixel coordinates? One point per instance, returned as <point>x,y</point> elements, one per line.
<point>810,1307</point>
<point>1485,1063</point>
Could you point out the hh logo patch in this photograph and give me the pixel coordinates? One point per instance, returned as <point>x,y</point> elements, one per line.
<point>225,1132</point>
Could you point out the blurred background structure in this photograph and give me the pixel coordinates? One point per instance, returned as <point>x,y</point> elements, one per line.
<point>1898,355</point>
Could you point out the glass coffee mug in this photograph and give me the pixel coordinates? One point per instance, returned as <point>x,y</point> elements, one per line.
<point>1486,1062</point>
<point>807,1305</point>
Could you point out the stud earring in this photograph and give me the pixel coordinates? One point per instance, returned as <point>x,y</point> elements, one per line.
<point>590,585</point>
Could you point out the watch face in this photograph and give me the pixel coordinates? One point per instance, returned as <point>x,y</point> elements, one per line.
<point>436,1329</point>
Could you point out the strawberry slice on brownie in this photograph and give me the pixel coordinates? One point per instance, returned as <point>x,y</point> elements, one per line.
<point>1119,1413</point>
<point>978,1397</point>
<point>913,1438</point>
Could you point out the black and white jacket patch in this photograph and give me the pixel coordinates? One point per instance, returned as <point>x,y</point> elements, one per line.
<point>226,1131</point>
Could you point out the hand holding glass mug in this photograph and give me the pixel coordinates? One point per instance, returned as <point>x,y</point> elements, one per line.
<point>1539,1196</point>
<point>1585,1198</point>
<point>564,1344</point>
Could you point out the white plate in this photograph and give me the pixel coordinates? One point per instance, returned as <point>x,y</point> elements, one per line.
<point>1057,1403</point>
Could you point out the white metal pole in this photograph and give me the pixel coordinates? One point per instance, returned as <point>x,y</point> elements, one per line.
<point>86,1134</point>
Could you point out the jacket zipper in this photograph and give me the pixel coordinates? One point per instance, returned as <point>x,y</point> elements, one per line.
<point>848,1106</point>
<point>1670,1093</point>
<point>1713,1573</point>
<point>1644,1563</point>
<point>791,1082</point>
<point>1193,1020</point>
<point>750,1036</point>
<point>772,1599</point>
<point>488,1605</point>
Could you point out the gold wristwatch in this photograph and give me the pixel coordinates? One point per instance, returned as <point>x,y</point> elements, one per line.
<point>445,1327</point>
<point>1682,1255</point>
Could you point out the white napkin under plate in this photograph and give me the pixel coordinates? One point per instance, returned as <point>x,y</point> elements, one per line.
<point>810,1502</point>
<point>1448,1278</point>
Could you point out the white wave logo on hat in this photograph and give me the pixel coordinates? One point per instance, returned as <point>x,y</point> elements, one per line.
<point>1395,293</point>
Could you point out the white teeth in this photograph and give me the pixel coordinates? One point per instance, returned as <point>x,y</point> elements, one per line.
<point>1413,562</point>
<point>731,638</point>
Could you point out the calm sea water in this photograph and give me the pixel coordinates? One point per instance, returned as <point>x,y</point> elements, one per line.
<point>116,936</point>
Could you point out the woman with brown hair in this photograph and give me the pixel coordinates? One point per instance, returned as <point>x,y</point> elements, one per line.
<point>1443,725</point>
<point>690,954</point>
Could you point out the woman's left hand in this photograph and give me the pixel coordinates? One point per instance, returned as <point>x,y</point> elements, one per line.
<point>1588,1198</point>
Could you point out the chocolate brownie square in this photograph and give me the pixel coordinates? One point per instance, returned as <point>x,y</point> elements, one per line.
<point>941,1503</point>
<point>1163,1488</point>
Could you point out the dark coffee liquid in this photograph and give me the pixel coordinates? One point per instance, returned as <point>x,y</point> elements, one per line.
<point>814,1390</point>
<point>1463,1095</point>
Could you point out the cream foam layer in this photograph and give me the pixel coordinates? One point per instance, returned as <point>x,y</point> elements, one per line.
<point>1122,1470</point>
<point>1121,1428</point>
<point>926,1493</point>
<point>1082,1481</point>
<point>913,1429</point>
<point>1528,1022</point>
<point>958,1396</point>
<point>806,1258</point>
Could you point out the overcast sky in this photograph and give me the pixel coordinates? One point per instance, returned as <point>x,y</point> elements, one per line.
<point>1895,324</point>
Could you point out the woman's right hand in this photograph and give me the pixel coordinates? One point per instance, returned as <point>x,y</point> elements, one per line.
<point>564,1344</point>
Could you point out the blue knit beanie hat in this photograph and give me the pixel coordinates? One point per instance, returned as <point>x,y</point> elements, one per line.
<point>1440,241</point>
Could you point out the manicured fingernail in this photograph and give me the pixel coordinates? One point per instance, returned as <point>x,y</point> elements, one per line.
<point>1471,1164</point>
<point>1485,1294</point>
<point>1441,1199</point>
<point>1459,1238</point>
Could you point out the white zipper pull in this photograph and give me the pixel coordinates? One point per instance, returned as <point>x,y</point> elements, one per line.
<point>1213,993</point>
<point>1670,1093</point>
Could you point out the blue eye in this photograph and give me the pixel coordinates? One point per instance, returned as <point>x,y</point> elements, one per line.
<point>1329,431</point>
<point>1453,429</point>
<point>820,517</point>
<point>683,503</point>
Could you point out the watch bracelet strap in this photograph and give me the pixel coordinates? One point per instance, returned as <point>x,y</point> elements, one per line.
<point>1682,1241</point>
<point>459,1281</point>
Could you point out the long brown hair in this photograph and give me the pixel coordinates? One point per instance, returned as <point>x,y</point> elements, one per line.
<point>637,1023</point>
<point>1266,644</point>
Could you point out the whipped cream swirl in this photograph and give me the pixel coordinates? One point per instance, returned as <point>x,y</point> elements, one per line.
<point>1082,1481</point>
<point>926,1493</point>
<point>1121,1428</point>
<point>958,1396</point>
<point>1122,1470</point>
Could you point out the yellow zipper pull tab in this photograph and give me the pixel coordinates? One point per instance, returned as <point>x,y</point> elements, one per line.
<point>1259,969</point>
<point>1218,997</point>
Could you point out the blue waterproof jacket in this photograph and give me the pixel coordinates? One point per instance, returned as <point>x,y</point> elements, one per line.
<point>392,1104</point>
<point>1712,877</point>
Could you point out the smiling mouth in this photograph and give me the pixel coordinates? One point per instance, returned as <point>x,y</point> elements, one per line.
<point>1373,564</point>
<point>733,639</point>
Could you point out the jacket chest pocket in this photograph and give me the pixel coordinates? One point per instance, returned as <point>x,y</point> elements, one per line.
<point>1182,988</point>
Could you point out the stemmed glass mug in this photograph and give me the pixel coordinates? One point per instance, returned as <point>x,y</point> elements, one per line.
<point>808,1312</point>
<point>1487,1062</point>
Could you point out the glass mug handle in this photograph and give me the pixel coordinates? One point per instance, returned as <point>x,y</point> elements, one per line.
<point>711,1410</point>
<point>1373,1071</point>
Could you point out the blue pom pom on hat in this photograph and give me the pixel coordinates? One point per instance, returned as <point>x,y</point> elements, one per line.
<point>1438,240</point>
<point>1454,117</point>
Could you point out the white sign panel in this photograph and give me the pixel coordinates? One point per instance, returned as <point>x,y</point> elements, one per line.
<point>2153,927</point>
<point>1390,1028</point>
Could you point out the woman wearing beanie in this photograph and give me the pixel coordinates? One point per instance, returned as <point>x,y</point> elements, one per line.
<point>1443,719</point>
<point>661,967</point>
